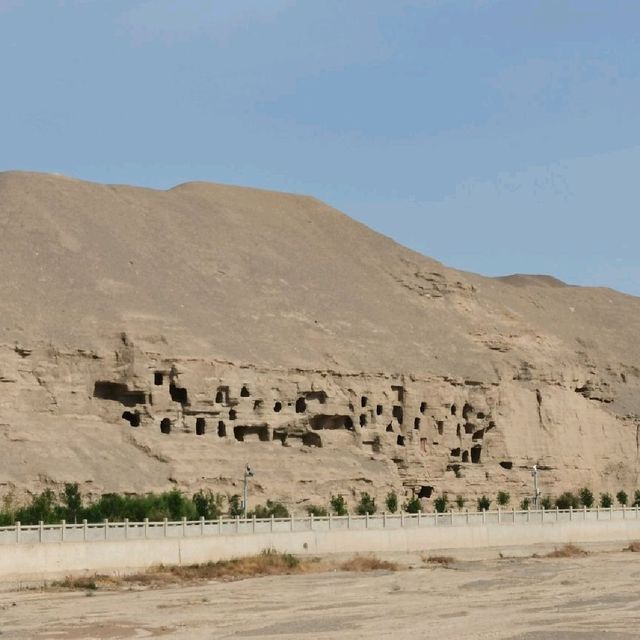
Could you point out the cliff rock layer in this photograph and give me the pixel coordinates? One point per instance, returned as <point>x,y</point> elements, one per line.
<point>151,339</point>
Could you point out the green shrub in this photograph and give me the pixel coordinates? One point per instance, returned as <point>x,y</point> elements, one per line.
<point>567,500</point>
<point>503,498</point>
<point>441,503</point>
<point>413,505</point>
<point>367,504</point>
<point>316,511</point>
<point>622,497</point>
<point>636,498</point>
<point>460,502</point>
<point>525,503</point>
<point>208,504</point>
<point>483,503</point>
<point>391,502</point>
<point>586,497</point>
<point>546,502</point>
<point>606,500</point>
<point>235,506</point>
<point>272,508</point>
<point>339,505</point>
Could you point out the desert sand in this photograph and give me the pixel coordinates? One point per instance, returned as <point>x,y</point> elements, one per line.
<point>590,598</point>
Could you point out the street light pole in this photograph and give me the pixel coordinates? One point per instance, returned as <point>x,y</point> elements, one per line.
<point>248,473</point>
<point>536,491</point>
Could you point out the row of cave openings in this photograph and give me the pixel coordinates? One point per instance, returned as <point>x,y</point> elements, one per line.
<point>317,422</point>
<point>240,433</point>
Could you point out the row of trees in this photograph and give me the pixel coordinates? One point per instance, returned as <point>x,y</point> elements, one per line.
<point>71,505</point>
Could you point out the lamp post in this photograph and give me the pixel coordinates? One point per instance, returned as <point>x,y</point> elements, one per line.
<point>248,473</point>
<point>536,491</point>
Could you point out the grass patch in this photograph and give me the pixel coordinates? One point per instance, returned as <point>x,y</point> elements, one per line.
<point>567,551</point>
<point>367,563</point>
<point>443,561</point>
<point>633,546</point>
<point>87,583</point>
<point>268,563</point>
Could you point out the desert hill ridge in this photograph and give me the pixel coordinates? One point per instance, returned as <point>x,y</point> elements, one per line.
<point>220,289</point>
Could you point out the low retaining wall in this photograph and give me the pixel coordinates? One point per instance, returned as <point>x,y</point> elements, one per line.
<point>38,562</point>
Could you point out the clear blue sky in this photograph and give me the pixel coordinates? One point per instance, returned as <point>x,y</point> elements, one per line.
<point>498,136</point>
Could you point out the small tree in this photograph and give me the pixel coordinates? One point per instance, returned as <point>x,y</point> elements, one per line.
<point>391,502</point>
<point>567,500</point>
<point>622,497</point>
<point>460,502</point>
<point>525,504</point>
<point>586,497</point>
<point>503,498</point>
<point>339,505</point>
<point>367,504</point>
<point>483,503</point>
<point>413,505</point>
<point>208,504</point>
<point>606,500</point>
<point>72,500</point>
<point>316,511</point>
<point>441,503</point>
<point>636,498</point>
<point>546,502</point>
<point>235,506</point>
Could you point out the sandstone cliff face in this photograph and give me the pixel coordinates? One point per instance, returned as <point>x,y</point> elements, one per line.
<point>156,339</point>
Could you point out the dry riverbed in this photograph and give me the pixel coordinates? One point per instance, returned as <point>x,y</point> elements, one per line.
<point>563,597</point>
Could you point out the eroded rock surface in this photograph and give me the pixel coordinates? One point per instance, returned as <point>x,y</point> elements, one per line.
<point>155,339</point>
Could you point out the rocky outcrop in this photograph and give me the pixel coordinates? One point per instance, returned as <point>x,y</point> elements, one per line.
<point>157,339</point>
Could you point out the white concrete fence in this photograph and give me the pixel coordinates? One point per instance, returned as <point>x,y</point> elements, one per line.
<point>121,531</point>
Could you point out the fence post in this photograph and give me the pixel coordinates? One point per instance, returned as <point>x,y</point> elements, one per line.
<point>348,521</point>
<point>291,522</point>
<point>253,523</point>
<point>598,512</point>
<point>366,520</point>
<point>528,513</point>
<point>402,519</point>
<point>557,514</point>
<point>272,520</point>
<point>384,519</point>
<point>330,520</point>
<point>570,513</point>
<point>201,525</point>
<point>419,517</point>
<point>184,526</point>
<point>466,516</point>
<point>624,511</point>
<point>106,529</point>
<point>219,525</point>
<point>165,526</point>
<point>311,520</point>
<point>542,517</point>
<point>499,515</point>
<point>85,533</point>
<point>146,527</point>
<point>484,516</point>
<point>436,519</point>
<point>237,524</point>
<point>584,512</point>
<point>63,525</point>
<point>40,531</point>
<point>18,531</point>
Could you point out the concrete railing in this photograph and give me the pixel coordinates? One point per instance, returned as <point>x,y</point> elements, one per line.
<point>119,531</point>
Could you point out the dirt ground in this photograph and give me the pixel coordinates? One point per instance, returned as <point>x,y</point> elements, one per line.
<point>594,597</point>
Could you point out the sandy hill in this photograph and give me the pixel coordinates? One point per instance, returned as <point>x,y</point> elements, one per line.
<point>257,298</point>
